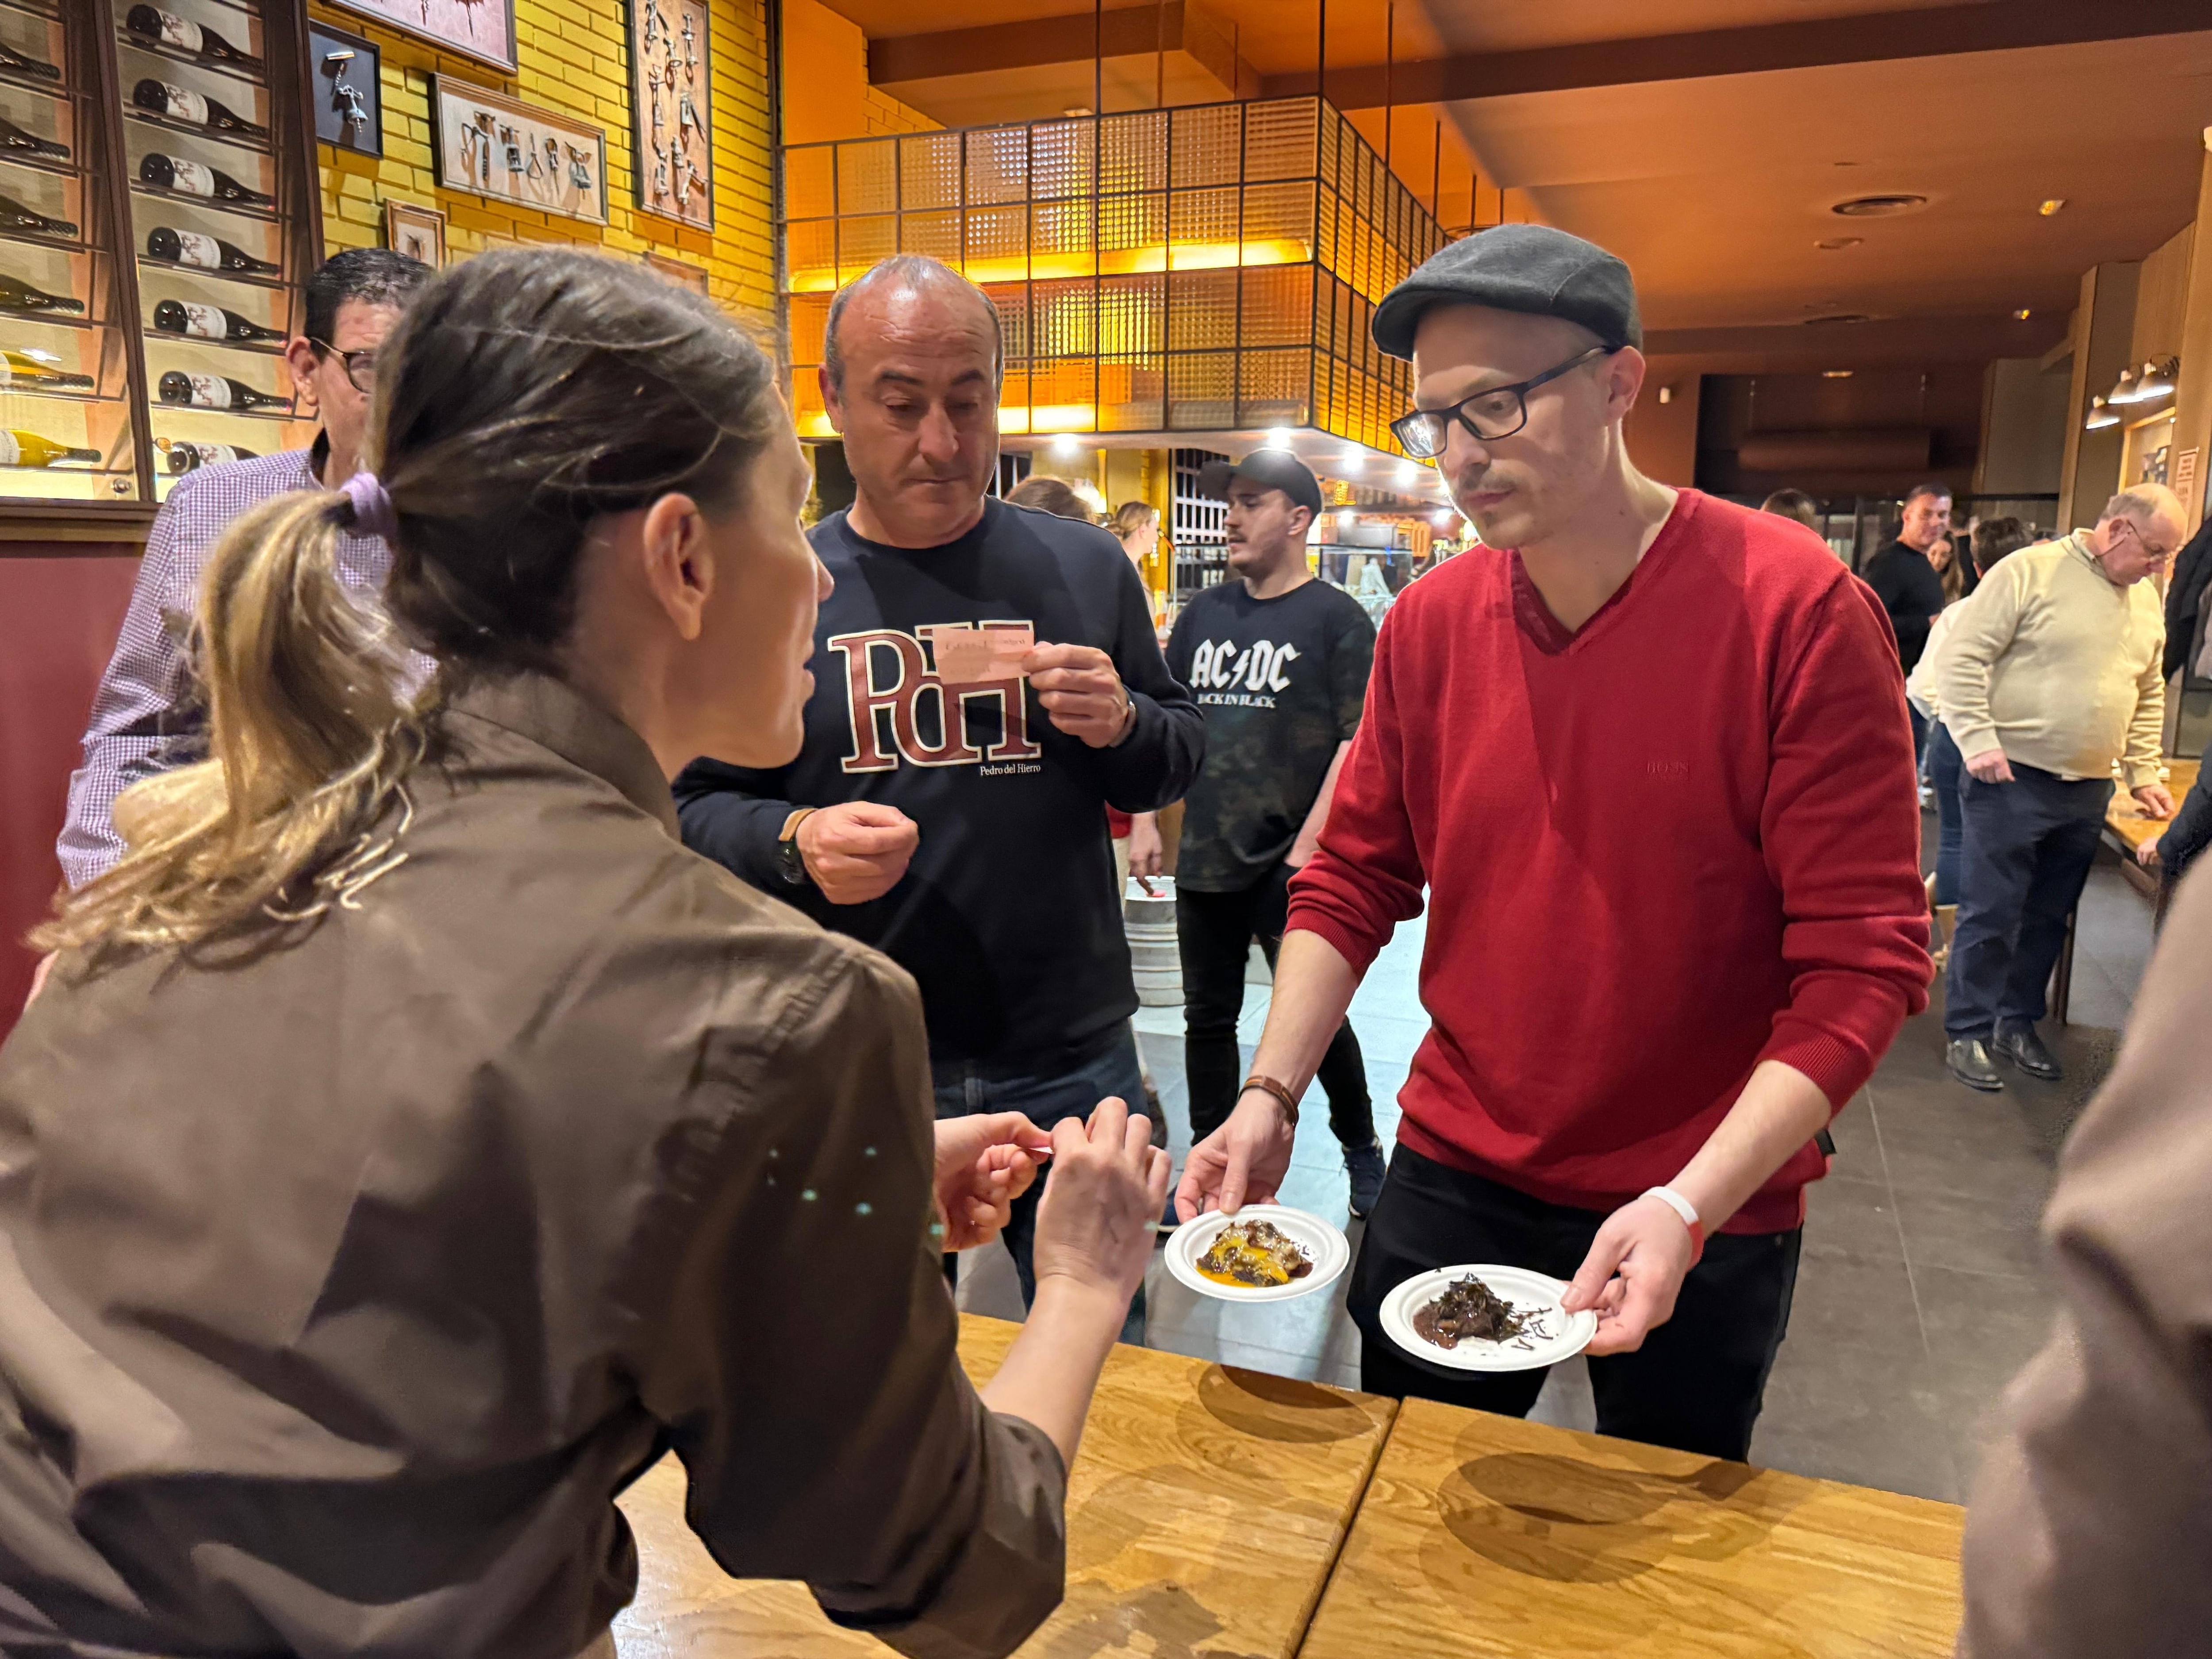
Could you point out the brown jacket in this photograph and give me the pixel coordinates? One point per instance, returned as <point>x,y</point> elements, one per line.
<point>341,1290</point>
<point>2090,1535</point>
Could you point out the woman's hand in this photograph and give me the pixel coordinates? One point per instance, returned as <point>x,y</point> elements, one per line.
<point>984,1164</point>
<point>1095,1227</point>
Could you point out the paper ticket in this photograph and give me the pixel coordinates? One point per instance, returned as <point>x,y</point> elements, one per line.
<point>974,656</point>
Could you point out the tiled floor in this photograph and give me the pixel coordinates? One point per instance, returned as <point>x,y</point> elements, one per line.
<point>1922,1289</point>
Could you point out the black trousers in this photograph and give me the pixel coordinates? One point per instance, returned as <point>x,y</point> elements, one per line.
<point>1215,932</point>
<point>2023,859</point>
<point>1696,1382</point>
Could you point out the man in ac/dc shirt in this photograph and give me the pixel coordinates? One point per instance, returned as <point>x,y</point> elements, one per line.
<point>1279,662</point>
<point>962,830</point>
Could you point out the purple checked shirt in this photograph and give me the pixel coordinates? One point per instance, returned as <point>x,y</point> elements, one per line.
<point>145,703</point>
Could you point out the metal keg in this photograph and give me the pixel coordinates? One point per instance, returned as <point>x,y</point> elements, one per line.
<point>1150,920</point>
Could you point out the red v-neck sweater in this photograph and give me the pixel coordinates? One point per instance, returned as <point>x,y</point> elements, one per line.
<point>1658,850</point>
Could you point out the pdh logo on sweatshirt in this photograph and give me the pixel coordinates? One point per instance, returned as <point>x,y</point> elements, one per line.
<point>887,678</point>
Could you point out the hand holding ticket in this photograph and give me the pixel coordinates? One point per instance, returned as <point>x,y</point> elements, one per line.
<point>977,656</point>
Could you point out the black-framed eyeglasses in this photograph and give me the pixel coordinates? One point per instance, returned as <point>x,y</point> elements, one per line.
<point>360,365</point>
<point>1499,412</point>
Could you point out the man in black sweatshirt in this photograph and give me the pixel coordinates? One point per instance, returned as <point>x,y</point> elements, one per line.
<point>948,807</point>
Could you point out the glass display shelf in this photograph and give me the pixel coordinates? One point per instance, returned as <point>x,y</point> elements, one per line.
<point>52,167</point>
<point>194,130</point>
<point>51,13</point>
<point>286,414</point>
<point>243,278</point>
<point>199,60</point>
<point>43,242</point>
<point>206,204</point>
<point>254,348</point>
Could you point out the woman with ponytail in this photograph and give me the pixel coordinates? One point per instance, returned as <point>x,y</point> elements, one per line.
<point>414,1142</point>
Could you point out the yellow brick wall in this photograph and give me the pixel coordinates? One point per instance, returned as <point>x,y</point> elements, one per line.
<point>884,113</point>
<point>574,58</point>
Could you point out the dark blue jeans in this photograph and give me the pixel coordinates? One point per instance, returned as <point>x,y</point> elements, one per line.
<point>1920,723</point>
<point>965,1089</point>
<point>2025,857</point>
<point>1945,767</point>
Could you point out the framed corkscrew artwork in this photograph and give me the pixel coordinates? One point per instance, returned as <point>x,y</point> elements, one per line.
<point>417,232</point>
<point>482,29</point>
<point>671,101</point>
<point>485,141</point>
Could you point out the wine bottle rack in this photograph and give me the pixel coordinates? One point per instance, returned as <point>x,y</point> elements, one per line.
<point>117,199</point>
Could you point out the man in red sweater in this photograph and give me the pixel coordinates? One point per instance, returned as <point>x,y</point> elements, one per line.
<point>1649,752</point>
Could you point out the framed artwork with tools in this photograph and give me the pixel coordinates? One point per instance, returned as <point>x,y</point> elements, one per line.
<point>485,141</point>
<point>671,81</point>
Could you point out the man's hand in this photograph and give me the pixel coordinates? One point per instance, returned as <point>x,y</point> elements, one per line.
<point>1243,1162</point>
<point>1991,765</point>
<point>2147,852</point>
<point>1080,691</point>
<point>1146,851</point>
<point>2153,800</point>
<point>984,1164</point>
<point>857,850</point>
<point>1634,1271</point>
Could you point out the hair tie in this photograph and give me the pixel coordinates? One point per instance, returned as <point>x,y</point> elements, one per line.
<point>372,513</point>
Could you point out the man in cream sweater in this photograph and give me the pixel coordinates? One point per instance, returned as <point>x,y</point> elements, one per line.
<point>2052,673</point>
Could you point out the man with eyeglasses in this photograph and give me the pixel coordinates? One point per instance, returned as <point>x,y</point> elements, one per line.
<point>1648,753</point>
<point>145,716</point>
<point>2053,672</point>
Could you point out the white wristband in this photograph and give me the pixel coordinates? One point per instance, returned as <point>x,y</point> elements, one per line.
<point>1674,1201</point>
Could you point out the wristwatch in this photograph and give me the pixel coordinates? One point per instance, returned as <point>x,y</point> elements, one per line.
<point>789,859</point>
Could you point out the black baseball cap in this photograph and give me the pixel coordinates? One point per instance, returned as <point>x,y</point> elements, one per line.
<point>1531,268</point>
<point>1270,469</point>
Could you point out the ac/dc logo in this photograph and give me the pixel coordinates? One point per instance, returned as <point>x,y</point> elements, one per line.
<point>887,681</point>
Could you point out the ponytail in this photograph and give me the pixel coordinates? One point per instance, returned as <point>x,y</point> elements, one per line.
<point>309,744</point>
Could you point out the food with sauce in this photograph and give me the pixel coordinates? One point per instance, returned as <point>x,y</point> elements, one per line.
<point>1254,1255</point>
<point>1469,1310</point>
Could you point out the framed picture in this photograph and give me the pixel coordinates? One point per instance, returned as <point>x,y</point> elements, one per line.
<point>417,232</point>
<point>670,100</point>
<point>691,276</point>
<point>348,91</point>
<point>485,141</point>
<point>482,29</point>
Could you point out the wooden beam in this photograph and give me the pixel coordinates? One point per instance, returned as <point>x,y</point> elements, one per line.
<point>1128,32</point>
<point>1809,43</point>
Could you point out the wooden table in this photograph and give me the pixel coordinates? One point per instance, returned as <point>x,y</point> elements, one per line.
<point>2127,826</point>
<point>1185,1468</point>
<point>1487,1536</point>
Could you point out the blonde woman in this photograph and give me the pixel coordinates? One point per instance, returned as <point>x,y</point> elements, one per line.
<point>414,1142</point>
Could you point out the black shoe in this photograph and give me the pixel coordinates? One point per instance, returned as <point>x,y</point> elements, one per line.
<point>2016,1040</point>
<point>1969,1060</point>
<point>1365,1166</point>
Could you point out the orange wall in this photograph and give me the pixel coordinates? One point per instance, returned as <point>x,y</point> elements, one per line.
<point>825,79</point>
<point>1662,438</point>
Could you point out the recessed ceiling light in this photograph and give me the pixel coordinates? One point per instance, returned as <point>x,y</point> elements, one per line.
<point>2051,206</point>
<point>1077,109</point>
<point>1408,472</point>
<point>1834,243</point>
<point>2022,314</point>
<point>1278,437</point>
<point>1879,207</point>
<point>1067,444</point>
<point>1347,518</point>
<point>1835,374</point>
<point>1444,521</point>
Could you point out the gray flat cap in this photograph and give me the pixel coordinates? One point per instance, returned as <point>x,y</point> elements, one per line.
<point>1531,268</point>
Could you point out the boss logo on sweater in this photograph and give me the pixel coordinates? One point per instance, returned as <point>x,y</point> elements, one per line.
<point>888,682</point>
<point>1225,675</point>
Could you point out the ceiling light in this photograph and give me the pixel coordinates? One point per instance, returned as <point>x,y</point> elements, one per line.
<point>1835,244</point>
<point>1355,460</point>
<point>2156,381</point>
<point>1835,374</point>
<point>2051,206</point>
<point>2022,314</point>
<point>1067,444</point>
<point>2125,389</point>
<point>1278,437</point>
<point>1444,521</point>
<point>1879,207</point>
<point>1347,518</point>
<point>2099,416</point>
<point>1408,473</point>
<point>1074,110</point>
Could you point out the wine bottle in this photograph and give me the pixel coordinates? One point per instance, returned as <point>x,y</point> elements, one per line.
<point>199,322</point>
<point>21,296</point>
<point>20,449</point>
<point>194,108</point>
<point>22,64</point>
<point>189,247</point>
<point>14,137</point>
<point>214,391</point>
<point>174,172</point>
<point>166,28</point>
<point>14,215</point>
<point>36,369</point>
<point>190,457</point>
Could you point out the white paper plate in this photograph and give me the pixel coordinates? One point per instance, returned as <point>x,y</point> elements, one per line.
<point>1324,1244</point>
<point>1532,1292</point>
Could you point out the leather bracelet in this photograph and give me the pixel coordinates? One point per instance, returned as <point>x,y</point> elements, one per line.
<point>1267,1086</point>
